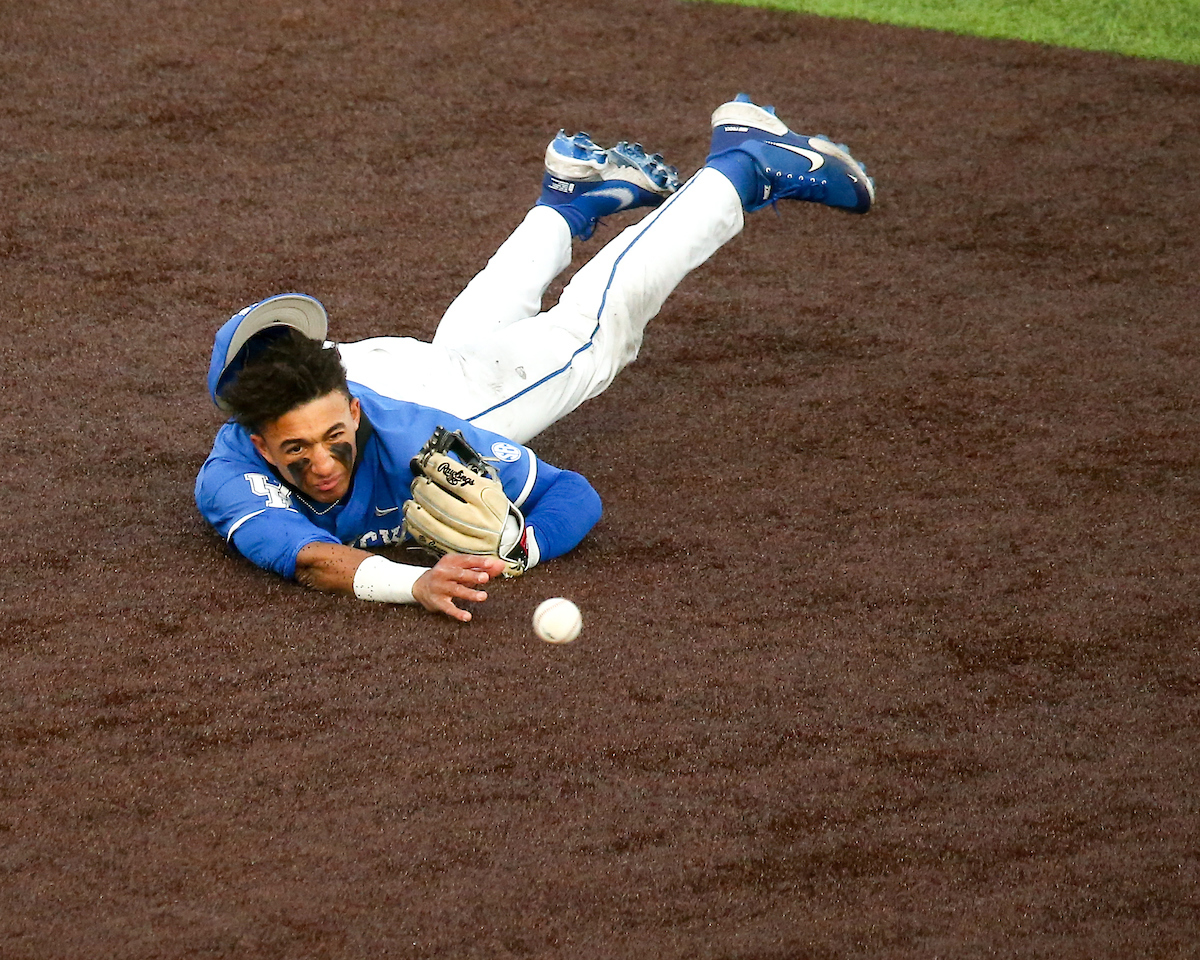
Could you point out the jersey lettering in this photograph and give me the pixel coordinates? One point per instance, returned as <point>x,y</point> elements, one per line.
<point>263,486</point>
<point>380,538</point>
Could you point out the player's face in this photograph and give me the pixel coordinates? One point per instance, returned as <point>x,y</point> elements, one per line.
<point>313,445</point>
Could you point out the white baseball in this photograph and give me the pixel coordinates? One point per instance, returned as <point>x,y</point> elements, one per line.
<point>557,620</point>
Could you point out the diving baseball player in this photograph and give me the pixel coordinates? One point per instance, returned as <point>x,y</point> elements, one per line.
<point>335,450</point>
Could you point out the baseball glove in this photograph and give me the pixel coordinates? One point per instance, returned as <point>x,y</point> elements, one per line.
<point>459,506</point>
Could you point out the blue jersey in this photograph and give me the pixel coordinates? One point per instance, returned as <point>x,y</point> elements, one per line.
<point>269,521</point>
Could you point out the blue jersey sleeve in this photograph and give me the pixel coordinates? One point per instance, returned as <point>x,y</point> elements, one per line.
<point>560,505</point>
<point>561,508</point>
<point>253,511</point>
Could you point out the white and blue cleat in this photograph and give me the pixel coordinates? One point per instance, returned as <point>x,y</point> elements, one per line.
<point>575,158</point>
<point>594,182</point>
<point>790,166</point>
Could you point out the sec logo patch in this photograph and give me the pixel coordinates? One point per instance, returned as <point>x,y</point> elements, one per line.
<point>506,452</point>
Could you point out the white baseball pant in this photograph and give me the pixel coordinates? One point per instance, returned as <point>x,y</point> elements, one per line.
<point>501,362</point>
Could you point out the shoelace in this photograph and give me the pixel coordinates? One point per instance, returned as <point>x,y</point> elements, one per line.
<point>802,188</point>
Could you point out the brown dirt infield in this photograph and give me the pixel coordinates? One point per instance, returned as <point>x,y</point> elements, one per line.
<point>891,622</point>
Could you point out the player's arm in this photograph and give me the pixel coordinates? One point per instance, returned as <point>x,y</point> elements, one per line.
<point>511,505</point>
<point>254,515</point>
<point>336,568</point>
<point>560,506</point>
<point>561,510</point>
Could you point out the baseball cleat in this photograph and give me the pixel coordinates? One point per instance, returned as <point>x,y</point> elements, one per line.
<point>649,172</point>
<point>592,182</point>
<point>576,157</point>
<point>790,166</point>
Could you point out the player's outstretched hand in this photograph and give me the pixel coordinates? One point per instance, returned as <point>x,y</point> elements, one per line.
<point>456,577</point>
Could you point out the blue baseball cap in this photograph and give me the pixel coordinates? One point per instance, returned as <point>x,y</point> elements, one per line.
<point>230,350</point>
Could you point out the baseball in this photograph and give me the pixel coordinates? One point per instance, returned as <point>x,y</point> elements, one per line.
<point>557,620</point>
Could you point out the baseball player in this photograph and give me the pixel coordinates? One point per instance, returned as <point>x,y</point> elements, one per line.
<point>336,450</point>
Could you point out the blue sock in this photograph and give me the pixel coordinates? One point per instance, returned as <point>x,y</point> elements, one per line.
<point>739,169</point>
<point>580,223</point>
<point>584,210</point>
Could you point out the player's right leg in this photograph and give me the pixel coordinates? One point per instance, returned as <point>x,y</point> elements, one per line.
<point>573,351</point>
<point>582,183</point>
<point>512,284</point>
<point>585,182</point>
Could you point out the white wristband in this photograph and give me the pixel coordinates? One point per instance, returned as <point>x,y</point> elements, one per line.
<point>379,579</point>
<point>531,545</point>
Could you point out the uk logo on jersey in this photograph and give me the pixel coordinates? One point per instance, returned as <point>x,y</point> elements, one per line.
<point>263,486</point>
<point>506,452</point>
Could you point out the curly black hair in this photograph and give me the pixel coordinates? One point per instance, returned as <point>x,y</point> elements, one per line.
<point>283,371</point>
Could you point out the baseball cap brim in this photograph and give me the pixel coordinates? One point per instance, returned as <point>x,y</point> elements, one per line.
<point>295,310</point>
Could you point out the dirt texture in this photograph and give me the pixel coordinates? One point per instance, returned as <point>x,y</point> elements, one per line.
<point>891,622</point>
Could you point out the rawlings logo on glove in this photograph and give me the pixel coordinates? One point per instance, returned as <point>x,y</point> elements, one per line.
<point>459,506</point>
<point>456,478</point>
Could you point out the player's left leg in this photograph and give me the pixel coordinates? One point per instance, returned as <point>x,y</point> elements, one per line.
<point>573,351</point>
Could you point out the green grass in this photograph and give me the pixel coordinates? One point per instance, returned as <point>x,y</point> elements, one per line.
<point>1154,29</point>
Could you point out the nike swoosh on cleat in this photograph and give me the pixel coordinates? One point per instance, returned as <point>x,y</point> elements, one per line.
<point>811,156</point>
<point>624,195</point>
<point>384,513</point>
